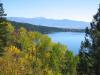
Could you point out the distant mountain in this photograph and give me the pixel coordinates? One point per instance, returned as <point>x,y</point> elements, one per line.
<point>64,23</point>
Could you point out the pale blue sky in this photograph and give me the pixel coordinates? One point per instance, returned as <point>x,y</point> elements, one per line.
<point>82,10</point>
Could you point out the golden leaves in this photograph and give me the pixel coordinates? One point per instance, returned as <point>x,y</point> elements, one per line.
<point>13,50</point>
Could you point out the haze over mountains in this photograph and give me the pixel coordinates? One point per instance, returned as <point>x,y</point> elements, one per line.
<point>64,23</point>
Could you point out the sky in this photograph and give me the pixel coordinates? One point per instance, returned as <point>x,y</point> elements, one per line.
<point>81,10</point>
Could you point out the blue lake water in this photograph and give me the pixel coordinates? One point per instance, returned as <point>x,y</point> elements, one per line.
<point>71,39</point>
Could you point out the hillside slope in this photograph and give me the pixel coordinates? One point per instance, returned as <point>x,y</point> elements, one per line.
<point>64,23</point>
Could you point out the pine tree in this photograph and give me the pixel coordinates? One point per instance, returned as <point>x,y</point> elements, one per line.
<point>3,30</point>
<point>2,14</point>
<point>90,49</point>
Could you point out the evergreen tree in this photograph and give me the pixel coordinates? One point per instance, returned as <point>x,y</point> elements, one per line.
<point>2,14</point>
<point>3,29</point>
<point>90,49</point>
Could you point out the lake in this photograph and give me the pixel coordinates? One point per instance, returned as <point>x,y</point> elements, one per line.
<point>71,39</point>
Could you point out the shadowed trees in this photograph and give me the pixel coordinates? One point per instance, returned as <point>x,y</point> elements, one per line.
<point>90,49</point>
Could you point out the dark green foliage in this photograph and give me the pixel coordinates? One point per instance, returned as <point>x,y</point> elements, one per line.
<point>90,49</point>
<point>2,14</point>
<point>6,30</point>
<point>43,29</point>
<point>3,32</point>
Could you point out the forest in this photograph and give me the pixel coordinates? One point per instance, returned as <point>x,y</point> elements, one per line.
<point>43,29</point>
<point>26,52</point>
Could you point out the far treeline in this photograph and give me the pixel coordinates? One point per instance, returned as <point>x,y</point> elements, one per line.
<point>26,52</point>
<point>43,29</point>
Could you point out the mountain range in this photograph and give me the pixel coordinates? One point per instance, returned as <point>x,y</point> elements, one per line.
<point>63,23</point>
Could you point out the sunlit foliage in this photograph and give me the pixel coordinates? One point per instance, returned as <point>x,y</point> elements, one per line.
<point>25,52</point>
<point>32,53</point>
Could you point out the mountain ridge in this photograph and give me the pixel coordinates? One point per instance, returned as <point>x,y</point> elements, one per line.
<point>60,23</point>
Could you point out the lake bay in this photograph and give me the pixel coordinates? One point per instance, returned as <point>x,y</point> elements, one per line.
<point>71,39</point>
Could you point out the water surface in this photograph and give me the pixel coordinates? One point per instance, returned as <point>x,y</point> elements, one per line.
<point>71,39</point>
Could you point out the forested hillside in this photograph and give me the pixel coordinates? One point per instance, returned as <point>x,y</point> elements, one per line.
<point>43,29</point>
<point>38,28</point>
<point>59,23</point>
<point>24,52</point>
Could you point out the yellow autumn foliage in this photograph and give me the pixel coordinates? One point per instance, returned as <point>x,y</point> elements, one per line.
<point>13,50</point>
<point>14,63</point>
<point>32,53</point>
